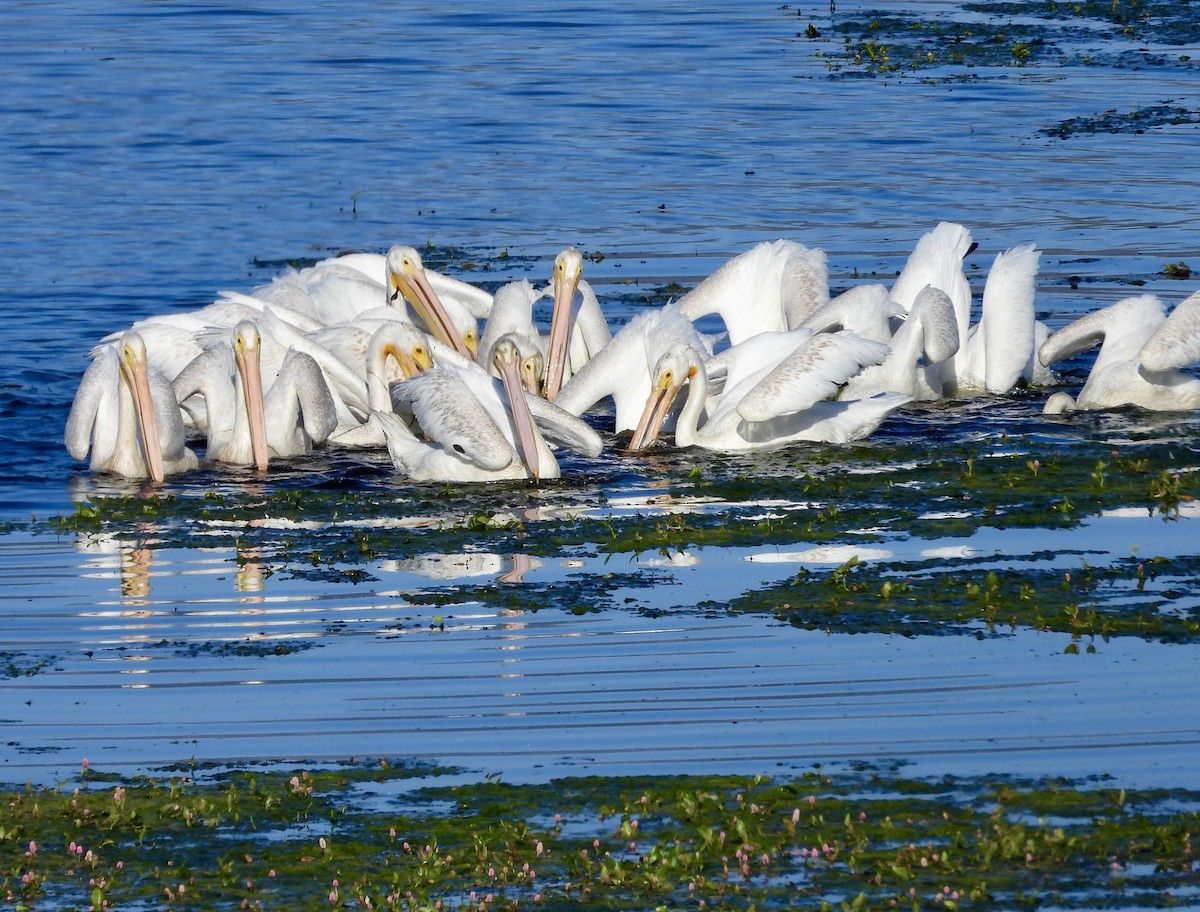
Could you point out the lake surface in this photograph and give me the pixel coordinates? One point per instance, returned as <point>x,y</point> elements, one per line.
<point>157,153</point>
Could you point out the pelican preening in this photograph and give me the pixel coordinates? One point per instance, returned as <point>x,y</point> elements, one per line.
<point>377,350</point>
<point>479,428</point>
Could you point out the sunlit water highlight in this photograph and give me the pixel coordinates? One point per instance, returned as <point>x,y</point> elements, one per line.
<point>162,657</point>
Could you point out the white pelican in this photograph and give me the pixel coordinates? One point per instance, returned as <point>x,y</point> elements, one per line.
<point>926,338</point>
<point>512,315</point>
<point>586,329</point>
<point>395,351</point>
<point>126,415</point>
<point>998,349</point>
<point>246,426</point>
<point>768,403</point>
<point>772,287</point>
<point>1141,353</point>
<point>334,291</point>
<point>558,426</point>
<point>937,260</point>
<point>867,310</point>
<point>452,292</point>
<point>577,333</point>
<point>471,440</point>
<point>996,353</point>
<point>621,370</point>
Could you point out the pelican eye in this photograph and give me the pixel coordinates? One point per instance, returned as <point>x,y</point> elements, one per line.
<point>458,448</point>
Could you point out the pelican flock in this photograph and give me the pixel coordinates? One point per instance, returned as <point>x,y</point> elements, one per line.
<point>376,351</point>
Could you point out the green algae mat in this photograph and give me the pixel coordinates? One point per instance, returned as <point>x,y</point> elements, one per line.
<point>379,836</point>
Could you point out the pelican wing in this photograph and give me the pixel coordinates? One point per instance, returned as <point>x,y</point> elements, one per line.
<point>844,421</point>
<point>934,310</point>
<point>866,309</point>
<point>299,397</point>
<point>172,433</point>
<point>342,379</point>
<point>1176,343</point>
<point>751,290</point>
<point>406,450</point>
<point>449,414</point>
<point>296,318</point>
<point>804,283</point>
<point>340,292</point>
<point>562,429</point>
<point>1091,329</point>
<point>937,260</point>
<point>1007,320</point>
<point>812,373</point>
<point>95,398</point>
<point>288,292</point>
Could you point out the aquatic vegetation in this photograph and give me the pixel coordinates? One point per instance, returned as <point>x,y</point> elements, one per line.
<point>14,665</point>
<point>1153,20</point>
<point>1088,604</point>
<point>899,487</point>
<point>1136,121</point>
<point>245,647</point>
<point>380,836</point>
<point>1037,33</point>
<point>895,44</point>
<point>799,494</point>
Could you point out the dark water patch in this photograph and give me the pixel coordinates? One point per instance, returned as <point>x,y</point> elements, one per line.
<point>889,45</point>
<point>579,594</point>
<point>1136,121</point>
<point>240,648</point>
<point>1162,21</point>
<point>16,665</point>
<point>1004,36</point>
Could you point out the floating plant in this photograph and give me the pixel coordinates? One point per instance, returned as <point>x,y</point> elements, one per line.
<point>383,836</point>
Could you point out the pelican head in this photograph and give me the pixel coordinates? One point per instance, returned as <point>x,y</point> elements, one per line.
<point>533,369</point>
<point>405,343</point>
<point>506,358</point>
<point>136,374</point>
<point>671,372</point>
<point>247,351</point>
<point>406,277</point>
<point>568,270</point>
<point>1058,404</point>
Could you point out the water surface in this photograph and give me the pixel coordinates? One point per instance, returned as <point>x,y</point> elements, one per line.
<point>157,153</point>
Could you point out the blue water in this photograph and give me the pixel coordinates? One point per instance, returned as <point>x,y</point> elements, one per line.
<point>155,153</point>
<point>152,153</point>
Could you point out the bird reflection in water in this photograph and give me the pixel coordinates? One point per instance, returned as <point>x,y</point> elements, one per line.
<point>250,575</point>
<point>136,560</point>
<point>460,566</point>
<point>521,564</point>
